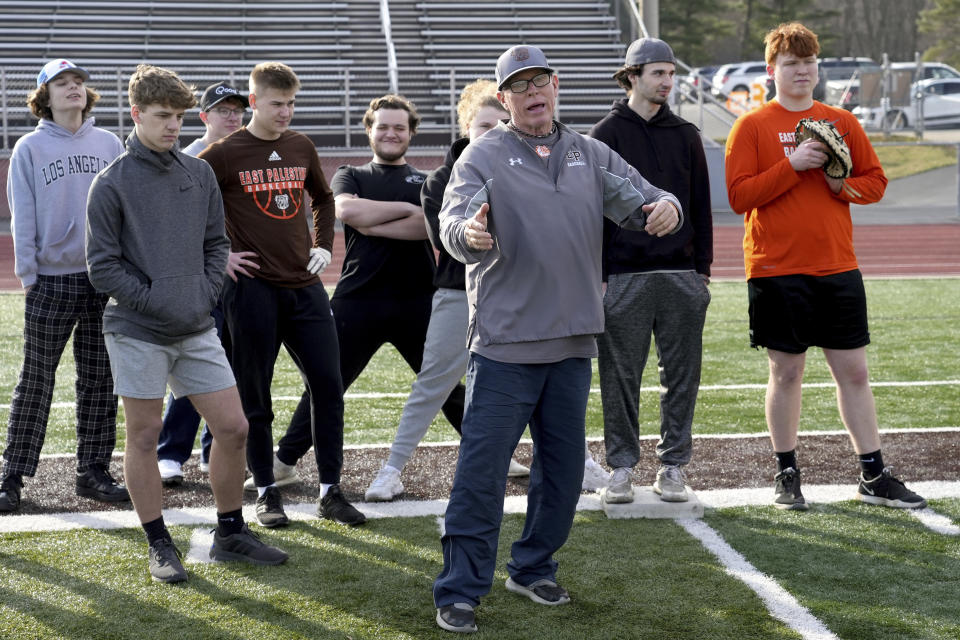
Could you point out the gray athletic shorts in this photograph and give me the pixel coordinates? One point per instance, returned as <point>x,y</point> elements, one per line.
<point>192,366</point>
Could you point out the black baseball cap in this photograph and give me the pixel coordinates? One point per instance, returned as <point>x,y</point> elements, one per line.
<point>217,93</point>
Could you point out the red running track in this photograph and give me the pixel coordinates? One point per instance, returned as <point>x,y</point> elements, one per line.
<point>882,250</point>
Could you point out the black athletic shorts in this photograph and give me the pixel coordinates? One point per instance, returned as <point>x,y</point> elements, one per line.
<point>792,313</point>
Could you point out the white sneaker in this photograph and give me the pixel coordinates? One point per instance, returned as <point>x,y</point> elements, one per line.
<point>670,484</point>
<point>204,467</point>
<point>171,473</point>
<point>621,486</point>
<point>283,475</point>
<point>385,487</point>
<point>595,477</point>
<point>517,470</point>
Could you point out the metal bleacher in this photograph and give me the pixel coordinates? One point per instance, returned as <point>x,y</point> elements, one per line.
<point>443,45</point>
<point>338,48</point>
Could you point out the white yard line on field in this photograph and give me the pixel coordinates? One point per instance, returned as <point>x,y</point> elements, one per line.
<point>717,499</point>
<point>936,522</point>
<point>707,387</point>
<point>778,601</point>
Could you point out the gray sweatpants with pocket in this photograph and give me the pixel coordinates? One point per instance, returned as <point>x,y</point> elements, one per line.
<point>671,306</point>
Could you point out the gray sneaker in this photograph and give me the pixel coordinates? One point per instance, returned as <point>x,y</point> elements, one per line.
<point>542,591</point>
<point>165,565</point>
<point>270,511</point>
<point>620,489</point>
<point>787,491</point>
<point>457,617</point>
<point>671,485</point>
<point>245,546</point>
<point>283,475</point>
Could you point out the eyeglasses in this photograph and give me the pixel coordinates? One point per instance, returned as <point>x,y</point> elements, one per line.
<point>223,112</point>
<point>539,80</point>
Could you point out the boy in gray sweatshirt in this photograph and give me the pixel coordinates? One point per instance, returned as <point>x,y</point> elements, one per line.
<point>156,246</point>
<point>50,172</point>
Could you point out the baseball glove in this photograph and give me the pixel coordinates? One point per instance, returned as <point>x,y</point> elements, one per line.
<point>838,164</point>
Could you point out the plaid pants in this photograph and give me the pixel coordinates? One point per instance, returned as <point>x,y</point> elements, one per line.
<point>54,306</point>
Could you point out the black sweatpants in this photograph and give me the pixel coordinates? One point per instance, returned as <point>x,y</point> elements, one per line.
<point>260,317</point>
<point>363,326</point>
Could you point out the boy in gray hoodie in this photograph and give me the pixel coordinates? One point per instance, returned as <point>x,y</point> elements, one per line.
<point>156,246</point>
<point>50,172</point>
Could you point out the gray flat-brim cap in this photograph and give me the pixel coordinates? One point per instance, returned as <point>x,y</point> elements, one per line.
<point>519,58</point>
<point>646,50</point>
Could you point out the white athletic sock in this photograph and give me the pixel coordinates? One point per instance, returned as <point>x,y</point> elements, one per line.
<point>324,487</point>
<point>263,490</point>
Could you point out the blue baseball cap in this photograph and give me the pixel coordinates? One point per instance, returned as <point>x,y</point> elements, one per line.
<point>55,67</point>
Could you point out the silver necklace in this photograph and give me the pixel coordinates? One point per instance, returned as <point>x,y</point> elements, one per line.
<point>514,127</point>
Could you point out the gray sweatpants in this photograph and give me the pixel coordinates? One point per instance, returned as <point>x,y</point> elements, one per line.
<point>445,359</point>
<point>672,306</point>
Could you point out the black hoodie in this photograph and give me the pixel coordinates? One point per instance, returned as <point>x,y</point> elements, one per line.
<point>668,152</point>
<point>451,273</point>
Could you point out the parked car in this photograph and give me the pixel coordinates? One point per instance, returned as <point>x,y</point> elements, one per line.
<point>700,76</point>
<point>842,85</point>
<point>865,87</point>
<point>736,77</point>
<point>941,106</point>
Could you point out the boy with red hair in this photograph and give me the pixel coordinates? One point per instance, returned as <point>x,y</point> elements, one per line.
<point>804,286</point>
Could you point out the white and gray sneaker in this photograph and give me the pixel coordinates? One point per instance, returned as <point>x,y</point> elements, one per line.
<point>620,489</point>
<point>385,487</point>
<point>283,475</point>
<point>517,470</point>
<point>595,477</point>
<point>671,485</point>
<point>171,473</point>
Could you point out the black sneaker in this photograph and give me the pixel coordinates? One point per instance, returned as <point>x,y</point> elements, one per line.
<point>165,565</point>
<point>97,483</point>
<point>10,486</point>
<point>787,491</point>
<point>334,506</point>
<point>270,511</point>
<point>542,591</point>
<point>888,491</point>
<point>245,546</point>
<point>457,617</point>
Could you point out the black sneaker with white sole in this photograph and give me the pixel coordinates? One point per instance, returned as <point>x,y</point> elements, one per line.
<point>457,617</point>
<point>270,511</point>
<point>165,565</point>
<point>787,490</point>
<point>334,506</point>
<point>542,591</point>
<point>245,546</point>
<point>888,491</point>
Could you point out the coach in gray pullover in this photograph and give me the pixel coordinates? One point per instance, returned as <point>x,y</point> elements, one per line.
<point>159,293</point>
<point>524,209</point>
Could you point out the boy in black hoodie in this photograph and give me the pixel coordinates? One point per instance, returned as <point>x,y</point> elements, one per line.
<point>654,285</point>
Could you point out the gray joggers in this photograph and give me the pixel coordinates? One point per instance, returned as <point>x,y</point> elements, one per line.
<point>672,306</point>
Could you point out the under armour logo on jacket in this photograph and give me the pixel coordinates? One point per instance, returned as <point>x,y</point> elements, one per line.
<point>515,161</point>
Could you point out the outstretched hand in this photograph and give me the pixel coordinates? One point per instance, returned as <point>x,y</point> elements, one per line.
<point>476,234</point>
<point>662,217</point>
